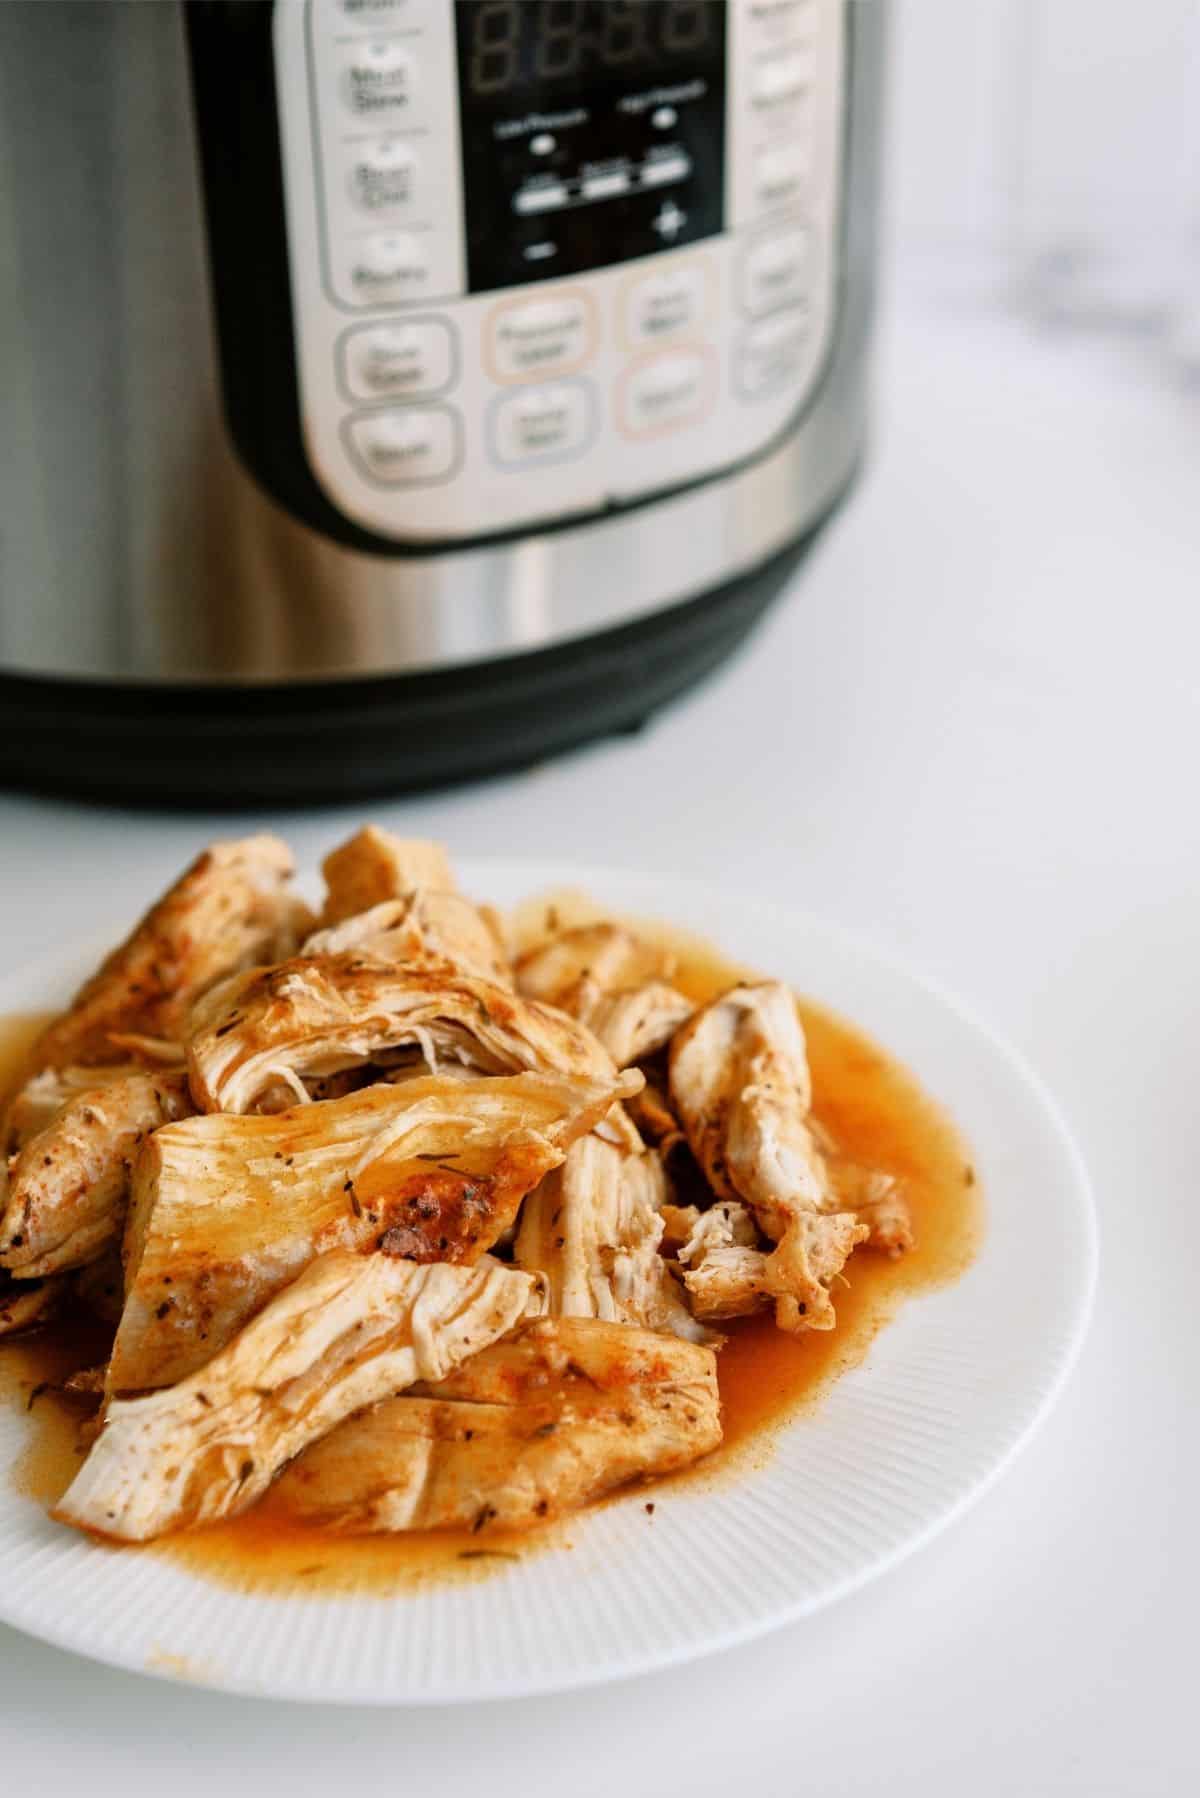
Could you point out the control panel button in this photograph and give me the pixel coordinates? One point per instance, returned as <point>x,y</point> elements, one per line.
<point>780,174</point>
<point>664,166</point>
<point>534,337</point>
<point>770,355</point>
<point>605,184</point>
<point>388,269</point>
<point>666,392</point>
<point>668,304</point>
<point>382,177</point>
<point>778,20</point>
<point>374,12</point>
<point>782,76</point>
<point>774,270</point>
<point>406,446</point>
<point>543,423</point>
<point>415,357</point>
<point>378,80</point>
<point>540,196</point>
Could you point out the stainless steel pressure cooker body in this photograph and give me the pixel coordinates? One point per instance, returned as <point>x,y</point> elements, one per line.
<point>396,390</point>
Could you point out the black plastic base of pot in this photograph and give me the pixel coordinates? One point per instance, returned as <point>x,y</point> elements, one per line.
<point>313,743</point>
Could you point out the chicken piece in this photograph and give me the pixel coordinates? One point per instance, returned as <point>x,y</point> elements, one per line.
<point>558,1413</point>
<point>40,1100</point>
<point>226,1210</point>
<point>374,866</point>
<point>350,1330</point>
<point>740,1084</point>
<point>678,1223</point>
<point>878,1201</point>
<point>593,1228</point>
<point>425,925</point>
<point>635,1023</point>
<point>611,981</point>
<point>608,954</point>
<point>24,1303</point>
<point>230,910</point>
<point>725,1268</point>
<point>69,1185</point>
<point>315,1015</point>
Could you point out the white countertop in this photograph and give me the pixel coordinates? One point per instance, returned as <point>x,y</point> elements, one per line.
<point>973,734</point>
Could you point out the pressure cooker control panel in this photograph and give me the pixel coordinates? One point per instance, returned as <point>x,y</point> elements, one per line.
<point>549,256</point>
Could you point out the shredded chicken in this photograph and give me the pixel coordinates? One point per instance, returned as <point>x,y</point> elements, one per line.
<point>231,909</point>
<point>611,981</point>
<point>24,1303</point>
<point>42,1097</point>
<point>608,954</point>
<point>593,1228</point>
<point>878,1201</point>
<point>425,925</point>
<point>678,1223</point>
<point>555,1415</point>
<point>315,1015</point>
<point>725,1268</point>
<point>68,1186</point>
<point>350,1330</point>
<point>375,865</point>
<point>740,1083</point>
<point>369,1218</point>
<point>635,1023</point>
<point>225,1210</point>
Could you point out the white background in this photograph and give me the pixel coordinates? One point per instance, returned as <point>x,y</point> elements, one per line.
<point>972,733</point>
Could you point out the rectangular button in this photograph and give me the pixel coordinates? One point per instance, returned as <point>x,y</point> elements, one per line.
<point>770,355</point>
<point>544,197</point>
<point>412,357</point>
<point>780,173</point>
<point>388,269</point>
<point>782,77</point>
<point>665,393</point>
<point>542,423</point>
<point>669,303</point>
<point>774,271</point>
<point>405,446</point>
<point>532,337</point>
<point>603,187</point>
<point>659,170</point>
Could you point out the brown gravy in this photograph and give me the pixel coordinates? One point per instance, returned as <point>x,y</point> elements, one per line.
<point>871,1104</point>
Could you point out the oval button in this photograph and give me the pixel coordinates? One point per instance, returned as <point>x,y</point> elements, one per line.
<point>407,446</point>
<point>666,393</point>
<point>542,424</point>
<point>782,75</point>
<point>382,177</point>
<point>534,337</point>
<point>668,304</point>
<point>773,272</point>
<point>387,269</point>
<point>377,81</point>
<point>412,357</point>
<point>771,354</point>
<point>780,173</point>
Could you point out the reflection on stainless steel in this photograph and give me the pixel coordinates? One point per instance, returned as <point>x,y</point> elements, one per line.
<point>132,544</point>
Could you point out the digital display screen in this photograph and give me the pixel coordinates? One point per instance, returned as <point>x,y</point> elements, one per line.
<point>516,43</point>
<point>593,132</point>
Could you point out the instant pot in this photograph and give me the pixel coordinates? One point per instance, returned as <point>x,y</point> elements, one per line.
<point>395,390</point>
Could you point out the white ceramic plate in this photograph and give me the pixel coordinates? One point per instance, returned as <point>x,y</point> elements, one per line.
<point>950,1391</point>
